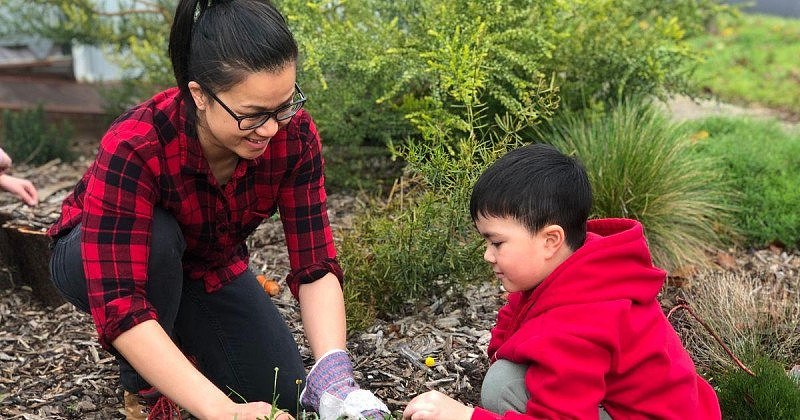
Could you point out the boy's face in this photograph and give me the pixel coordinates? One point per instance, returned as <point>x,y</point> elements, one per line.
<point>519,258</point>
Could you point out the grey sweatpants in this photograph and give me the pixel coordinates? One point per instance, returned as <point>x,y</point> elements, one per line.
<point>504,389</point>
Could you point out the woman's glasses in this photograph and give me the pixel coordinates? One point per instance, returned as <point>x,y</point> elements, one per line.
<point>253,121</point>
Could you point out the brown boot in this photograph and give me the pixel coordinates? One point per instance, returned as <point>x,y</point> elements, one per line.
<point>149,404</point>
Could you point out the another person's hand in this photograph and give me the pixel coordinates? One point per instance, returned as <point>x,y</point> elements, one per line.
<point>5,161</point>
<point>433,405</point>
<point>22,188</point>
<point>332,392</point>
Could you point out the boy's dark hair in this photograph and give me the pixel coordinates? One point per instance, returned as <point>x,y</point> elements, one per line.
<point>538,186</point>
<point>218,42</point>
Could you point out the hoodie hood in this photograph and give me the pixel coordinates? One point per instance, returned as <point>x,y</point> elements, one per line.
<point>614,263</point>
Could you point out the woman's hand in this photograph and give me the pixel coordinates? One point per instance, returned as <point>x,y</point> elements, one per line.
<point>433,405</point>
<point>22,188</point>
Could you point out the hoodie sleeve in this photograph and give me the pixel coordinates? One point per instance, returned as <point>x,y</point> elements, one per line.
<point>569,351</point>
<point>503,326</point>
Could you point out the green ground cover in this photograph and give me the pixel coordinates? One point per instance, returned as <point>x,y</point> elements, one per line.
<point>762,164</point>
<point>753,60</point>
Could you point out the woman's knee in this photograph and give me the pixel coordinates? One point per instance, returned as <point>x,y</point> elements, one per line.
<point>167,242</point>
<point>66,269</point>
<point>165,266</point>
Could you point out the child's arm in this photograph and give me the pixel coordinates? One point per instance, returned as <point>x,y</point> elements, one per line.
<point>22,188</point>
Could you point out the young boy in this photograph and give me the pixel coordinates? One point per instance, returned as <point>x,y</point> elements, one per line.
<point>582,335</point>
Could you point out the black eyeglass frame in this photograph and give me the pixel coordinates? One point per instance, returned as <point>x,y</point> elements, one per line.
<point>266,114</point>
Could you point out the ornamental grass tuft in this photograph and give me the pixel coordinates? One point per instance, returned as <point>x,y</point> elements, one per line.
<point>641,166</point>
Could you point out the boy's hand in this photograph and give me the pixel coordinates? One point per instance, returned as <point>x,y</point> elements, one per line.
<point>332,392</point>
<point>433,405</point>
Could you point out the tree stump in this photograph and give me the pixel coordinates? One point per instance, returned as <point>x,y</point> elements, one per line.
<point>24,245</point>
<point>30,261</point>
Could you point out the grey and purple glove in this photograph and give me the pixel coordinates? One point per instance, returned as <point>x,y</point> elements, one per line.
<point>333,393</point>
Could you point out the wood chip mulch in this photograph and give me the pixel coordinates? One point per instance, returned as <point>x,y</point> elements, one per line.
<point>51,366</point>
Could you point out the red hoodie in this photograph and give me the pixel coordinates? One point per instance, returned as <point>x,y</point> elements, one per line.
<point>594,333</point>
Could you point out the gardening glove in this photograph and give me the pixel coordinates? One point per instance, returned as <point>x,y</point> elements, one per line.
<point>5,161</point>
<point>333,393</point>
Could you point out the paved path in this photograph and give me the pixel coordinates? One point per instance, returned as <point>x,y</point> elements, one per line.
<point>683,108</point>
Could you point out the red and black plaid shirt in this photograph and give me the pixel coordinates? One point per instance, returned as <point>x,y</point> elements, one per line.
<point>150,158</point>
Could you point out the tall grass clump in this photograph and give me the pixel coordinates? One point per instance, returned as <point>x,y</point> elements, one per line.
<point>641,166</point>
<point>753,317</point>
<point>762,162</point>
<point>29,138</point>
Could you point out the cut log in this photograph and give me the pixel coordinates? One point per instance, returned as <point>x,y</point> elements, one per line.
<point>24,246</point>
<point>8,264</point>
<point>26,260</point>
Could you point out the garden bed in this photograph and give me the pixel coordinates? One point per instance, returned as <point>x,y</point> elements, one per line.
<point>53,367</point>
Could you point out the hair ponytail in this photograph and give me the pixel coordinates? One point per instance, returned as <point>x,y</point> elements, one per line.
<point>180,40</point>
<point>219,42</point>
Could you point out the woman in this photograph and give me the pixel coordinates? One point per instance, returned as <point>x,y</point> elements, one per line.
<point>152,240</point>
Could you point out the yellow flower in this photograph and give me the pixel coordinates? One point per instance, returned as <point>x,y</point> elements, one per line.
<point>727,32</point>
<point>698,136</point>
<point>429,361</point>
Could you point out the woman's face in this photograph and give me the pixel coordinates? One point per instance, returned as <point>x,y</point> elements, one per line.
<point>219,132</point>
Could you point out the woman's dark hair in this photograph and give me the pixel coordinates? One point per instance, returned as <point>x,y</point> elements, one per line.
<point>218,42</point>
<point>537,186</point>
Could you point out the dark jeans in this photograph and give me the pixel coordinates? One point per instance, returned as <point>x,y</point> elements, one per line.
<point>236,336</point>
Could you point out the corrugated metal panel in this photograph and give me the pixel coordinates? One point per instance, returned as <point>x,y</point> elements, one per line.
<point>89,64</point>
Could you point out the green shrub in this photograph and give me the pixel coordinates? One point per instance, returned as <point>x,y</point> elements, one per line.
<point>641,166</point>
<point>762,162</point>
<point>368,169</point>
<point>771,394</point>
<point>379,58</point>
<point>398,255</point>
<point>421,242</point>
<point>368,64</point>
<point>29,139</point>
<point>609,50</point>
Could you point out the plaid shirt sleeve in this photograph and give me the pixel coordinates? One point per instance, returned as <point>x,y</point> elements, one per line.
<point>116,220</point>
<point>303,211</point>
